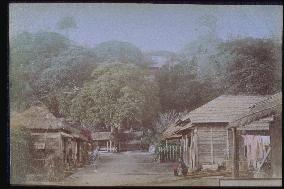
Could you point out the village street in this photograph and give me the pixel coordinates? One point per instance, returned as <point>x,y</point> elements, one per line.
<point>130,168</point>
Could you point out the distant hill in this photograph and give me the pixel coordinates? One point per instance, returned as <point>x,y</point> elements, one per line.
<point>41,42</point>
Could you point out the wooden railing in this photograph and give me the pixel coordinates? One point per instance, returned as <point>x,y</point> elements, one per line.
<point>170,153</point>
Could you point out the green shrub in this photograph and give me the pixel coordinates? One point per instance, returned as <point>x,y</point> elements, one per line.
<point>20,161</point>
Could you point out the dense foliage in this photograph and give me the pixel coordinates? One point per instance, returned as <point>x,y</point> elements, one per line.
<point>181,88</point>
<point>117,95</point>
<point>254,66</point>
<point>110,85</point>
<point>20,146</point>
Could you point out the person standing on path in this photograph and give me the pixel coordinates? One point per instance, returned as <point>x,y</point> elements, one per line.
<point>95,156</point>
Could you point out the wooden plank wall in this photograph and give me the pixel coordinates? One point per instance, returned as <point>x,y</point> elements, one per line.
<point>211,135</point>
<point>242,157</point>
<point>51,140</point>
<point>276,144</point>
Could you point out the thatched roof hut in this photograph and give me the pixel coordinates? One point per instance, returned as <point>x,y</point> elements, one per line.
<point>271,105</point>
<point>37,117</point>
<point>40,118</point>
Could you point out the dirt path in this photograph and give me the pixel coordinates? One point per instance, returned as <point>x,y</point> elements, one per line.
<point>127,168</point>
<point>130,168</point>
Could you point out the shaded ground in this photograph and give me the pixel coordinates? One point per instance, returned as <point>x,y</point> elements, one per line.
<point>130,168</point>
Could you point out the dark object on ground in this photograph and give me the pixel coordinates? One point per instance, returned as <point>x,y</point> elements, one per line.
<point>180,168</point>
<point>175,172</point>
<point>183,167</point>
<point>184,171</point>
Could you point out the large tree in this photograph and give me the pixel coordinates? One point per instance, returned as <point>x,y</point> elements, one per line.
<point>30,54</point>
<point>119,95</point>
<point>253,66</point>
<point>180,88</point>
<point>45,66</point>
<point>60,82</point>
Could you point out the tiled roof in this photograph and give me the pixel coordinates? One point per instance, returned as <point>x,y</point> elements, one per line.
<point>225,108</point>
<point>270,106</point>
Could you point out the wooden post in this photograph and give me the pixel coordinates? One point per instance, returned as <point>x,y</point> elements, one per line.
<point>167,152</point>
<point>180,151</point>
<point>164,154</point>
<point>228,144</point>
<point>175,157</point>
<point>61,147</point>
<point>177,153</point>
<point>170,150</point>
<point>159,154</point>
<point>275,130</point>
<point>183,147</point>
<point>211,143</point>
<point>185,150</point>
<point>235,155</point>
<point>110,147</point>
<point>107,147</point>
<point>172,154</point>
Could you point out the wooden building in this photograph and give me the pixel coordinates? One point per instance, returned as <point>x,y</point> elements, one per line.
<point>169,134</point>
<point>51,137</point>
<point>269,109</point>
<point>205,139</point>
<point>102,140</point>
<point>129,140</point>
<point>79,144</point>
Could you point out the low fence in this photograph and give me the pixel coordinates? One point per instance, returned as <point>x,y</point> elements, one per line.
<point>170,153</point>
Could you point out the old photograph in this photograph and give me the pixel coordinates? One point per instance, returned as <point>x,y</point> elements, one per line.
<point>125,94</point>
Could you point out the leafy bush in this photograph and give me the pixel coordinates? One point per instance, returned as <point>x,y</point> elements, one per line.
<point>20,164</point>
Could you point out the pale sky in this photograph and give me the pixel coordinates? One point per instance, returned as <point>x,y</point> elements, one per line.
<point>148,26</point>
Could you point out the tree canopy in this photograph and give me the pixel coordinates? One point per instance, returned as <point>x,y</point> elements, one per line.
<point>180,88</point>
<point>252,66</point>
<point>118,94</point>
<point>45,64</point>
<point>110,84</point>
